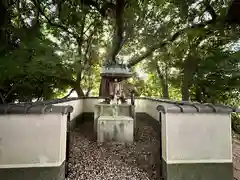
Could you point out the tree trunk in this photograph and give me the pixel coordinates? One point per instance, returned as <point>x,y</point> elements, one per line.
<point>88,92</point>
<point>165,91</point>
<point>68,94</point>
<point>163,82</point>
<point>186,84</point>
<point>5,21</point>
<point>79,91</point>
<point>104,88</point>
<point>198,93</point>
<point>189,68</point>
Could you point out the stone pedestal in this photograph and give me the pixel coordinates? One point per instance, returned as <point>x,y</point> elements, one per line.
<point>196,146</point>
<point>108,110</point>
<point>114,122</point>
<point>115,128</point>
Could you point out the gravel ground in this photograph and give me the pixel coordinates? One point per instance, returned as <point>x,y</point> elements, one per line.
<point>111,161</point>
<point>236,159</point>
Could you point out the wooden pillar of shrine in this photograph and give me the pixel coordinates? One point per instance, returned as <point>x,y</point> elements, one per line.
<point>104,87</point>
<point>233,15</point>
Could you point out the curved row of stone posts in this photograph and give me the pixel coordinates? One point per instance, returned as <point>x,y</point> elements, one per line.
<point>196,141</point>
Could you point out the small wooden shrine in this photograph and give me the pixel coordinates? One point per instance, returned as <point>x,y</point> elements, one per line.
<point>233,15</point>
<point>114,118</point>
<point>111,85</point>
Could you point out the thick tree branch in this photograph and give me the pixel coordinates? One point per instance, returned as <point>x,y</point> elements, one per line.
<point>118,34</point>
<point>38,6</point>
<point>160,75</point>
<point>119,28</point>
<point>135,60</point>
<point>89,42</point>
<point>85,63</point>
<point>68,94</point>
<point>234,13</point>
<point>88,91</point>
<point>138,59</point>
<point>210,9</point>
<point>20,19</point>
<point>65,80</point>
<point>79,39</point>
<point>94,4</point>
<point>163,81</point>
<point>128,33</point>
<point>3,98</point>
<point>90,25</point>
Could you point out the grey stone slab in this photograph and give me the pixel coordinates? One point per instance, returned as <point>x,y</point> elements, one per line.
<point>33,173</point>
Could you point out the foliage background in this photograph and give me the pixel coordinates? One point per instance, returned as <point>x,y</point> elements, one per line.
<point>182,50</point>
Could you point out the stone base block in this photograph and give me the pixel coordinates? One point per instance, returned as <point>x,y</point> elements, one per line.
<point>197,171</point>
<point>115,128</point>
<point>33,173</point>
<point>108,110</point>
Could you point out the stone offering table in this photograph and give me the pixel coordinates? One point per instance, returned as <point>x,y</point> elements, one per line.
<point>108,110</point>
<point>114,122</point>
<point>114,118</point>
<point>115,128</point>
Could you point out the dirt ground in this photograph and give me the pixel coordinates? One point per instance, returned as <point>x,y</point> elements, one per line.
<point>91,161</point>
<point>236,159</point>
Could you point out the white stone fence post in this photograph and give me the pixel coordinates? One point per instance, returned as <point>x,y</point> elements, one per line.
<point>196,141</point>
<point>33,140</point>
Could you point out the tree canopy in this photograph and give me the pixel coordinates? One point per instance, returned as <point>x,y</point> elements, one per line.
<point>185,50</point>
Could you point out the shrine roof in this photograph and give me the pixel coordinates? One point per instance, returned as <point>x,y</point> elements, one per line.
<point>116,70</point>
